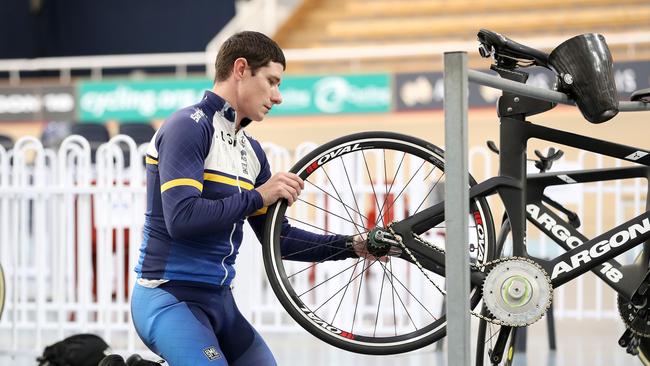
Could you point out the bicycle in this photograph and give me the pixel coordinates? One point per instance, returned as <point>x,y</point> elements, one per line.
<point>385,188</point>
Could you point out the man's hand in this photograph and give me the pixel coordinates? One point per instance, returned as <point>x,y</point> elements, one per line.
<point>281,185</point>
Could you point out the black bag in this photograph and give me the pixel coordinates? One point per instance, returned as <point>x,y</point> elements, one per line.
<point>76,350</point>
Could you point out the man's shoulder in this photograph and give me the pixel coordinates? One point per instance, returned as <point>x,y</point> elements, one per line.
<point>187,119</point>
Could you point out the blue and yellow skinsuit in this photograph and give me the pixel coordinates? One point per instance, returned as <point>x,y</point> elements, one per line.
<point>201,180</point>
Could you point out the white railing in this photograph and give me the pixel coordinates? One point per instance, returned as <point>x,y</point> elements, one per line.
<point>70,233</point>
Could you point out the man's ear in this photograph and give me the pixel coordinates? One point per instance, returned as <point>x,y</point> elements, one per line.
<point>239,67</point>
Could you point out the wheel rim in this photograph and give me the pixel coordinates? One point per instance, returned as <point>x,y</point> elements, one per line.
<point>389,306</point>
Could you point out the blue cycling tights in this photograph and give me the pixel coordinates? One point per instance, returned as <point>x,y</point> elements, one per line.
<point>189,323</point>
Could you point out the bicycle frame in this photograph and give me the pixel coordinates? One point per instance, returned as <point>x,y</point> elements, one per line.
<point>567,237</point>
<point>517,190</point>
<point>579,258</point>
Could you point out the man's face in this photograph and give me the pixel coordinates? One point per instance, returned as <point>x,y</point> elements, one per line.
<point>260,92</point>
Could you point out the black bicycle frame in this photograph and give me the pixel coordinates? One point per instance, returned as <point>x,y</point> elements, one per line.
<point>515,132</point>
<point>511,185</point>
<point>567,237</point>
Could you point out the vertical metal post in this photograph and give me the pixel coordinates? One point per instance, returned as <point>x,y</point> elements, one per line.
<point>456,209</point>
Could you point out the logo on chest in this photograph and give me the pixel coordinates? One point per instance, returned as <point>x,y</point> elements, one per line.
<point>244,161</point>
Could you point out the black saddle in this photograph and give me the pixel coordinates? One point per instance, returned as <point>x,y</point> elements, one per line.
<point>497,44</point>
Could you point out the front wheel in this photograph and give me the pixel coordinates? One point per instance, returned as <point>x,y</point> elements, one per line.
<point>352,185</point>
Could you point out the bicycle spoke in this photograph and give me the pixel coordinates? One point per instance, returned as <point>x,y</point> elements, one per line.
<point>392,182</point>
<point>336,199</point>
<point>330,278</point>
<point>352,278</point>
<point>381,291</point>
<point>405,309</point>
<point>354,196</point>
<point>338,307</point>
<point>333,214</point>
<point>312,248</point>
<point>315,263</point>
<point>404,188</point>
<point>339,196</point>
<point>372,184</point>
<point>314,226</point>
<point>413,296</point>
<point>356,306</point>
<point>428,193</point>
<point>390,262</point>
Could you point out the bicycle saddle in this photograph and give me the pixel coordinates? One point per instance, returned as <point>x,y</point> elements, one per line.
<point>641,95</point>
<point>495,43</point>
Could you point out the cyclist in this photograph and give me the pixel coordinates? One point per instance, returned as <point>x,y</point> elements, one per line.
<point>205,176</point>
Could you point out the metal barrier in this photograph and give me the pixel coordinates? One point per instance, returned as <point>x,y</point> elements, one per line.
<point>70,233</point>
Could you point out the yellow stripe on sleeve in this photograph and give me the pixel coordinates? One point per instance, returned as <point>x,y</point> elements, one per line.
<point>226,180</point>
<point>261,211</point>
<point>181,182</point>
<point>152,161</point>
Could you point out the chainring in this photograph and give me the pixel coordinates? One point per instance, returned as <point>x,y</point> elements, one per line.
<point>637,320</point>
<point>517,292</point>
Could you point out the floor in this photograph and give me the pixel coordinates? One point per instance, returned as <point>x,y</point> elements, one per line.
<point>579,342</point>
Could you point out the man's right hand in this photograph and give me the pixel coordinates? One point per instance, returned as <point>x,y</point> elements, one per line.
<point>281,185</point>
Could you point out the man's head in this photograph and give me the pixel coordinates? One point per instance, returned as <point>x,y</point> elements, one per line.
<point>250,66</point>
<point>255,47</point>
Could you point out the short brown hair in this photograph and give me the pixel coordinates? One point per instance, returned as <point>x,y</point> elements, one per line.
<point>255,47</point>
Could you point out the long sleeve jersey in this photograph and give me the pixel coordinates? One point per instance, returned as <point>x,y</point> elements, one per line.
<point>201,180</point>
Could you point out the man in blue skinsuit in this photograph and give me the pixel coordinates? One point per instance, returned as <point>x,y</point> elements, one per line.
<point>205,176</point>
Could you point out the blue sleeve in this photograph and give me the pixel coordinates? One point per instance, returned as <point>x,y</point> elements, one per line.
<point>183,145</point>
<point>298,244</point>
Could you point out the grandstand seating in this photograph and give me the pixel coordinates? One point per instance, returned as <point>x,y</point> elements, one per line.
<point>336,23</point>
<point>95,133</point>
<point>6,142</point>
<point>140,132</point>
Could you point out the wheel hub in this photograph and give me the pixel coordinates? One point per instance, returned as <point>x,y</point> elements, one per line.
<point>517,292</point>
<point>380,242</point>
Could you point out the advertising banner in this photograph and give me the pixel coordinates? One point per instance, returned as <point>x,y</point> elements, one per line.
<point>334,94</point>
<point>138,100</point>
<point>425,91</point>
<point>42,103</point>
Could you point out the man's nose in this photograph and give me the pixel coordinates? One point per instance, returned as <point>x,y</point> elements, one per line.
<point>276,97</point>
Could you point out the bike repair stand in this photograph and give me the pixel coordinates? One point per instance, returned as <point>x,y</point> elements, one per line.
<point>456,80</point>
<point>456,208</point>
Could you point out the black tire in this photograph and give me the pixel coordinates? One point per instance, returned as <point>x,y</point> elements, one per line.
<point>357,329</point>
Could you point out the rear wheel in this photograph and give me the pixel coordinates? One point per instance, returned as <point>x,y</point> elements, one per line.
<point>352,185</point>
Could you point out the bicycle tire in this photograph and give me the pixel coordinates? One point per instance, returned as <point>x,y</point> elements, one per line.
<point>362,152</point>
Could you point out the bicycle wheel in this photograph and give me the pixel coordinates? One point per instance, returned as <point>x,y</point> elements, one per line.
<point>352,185</point>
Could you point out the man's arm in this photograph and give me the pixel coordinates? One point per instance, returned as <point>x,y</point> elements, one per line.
<point>297,244</point>
<point>182,146</point>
